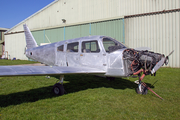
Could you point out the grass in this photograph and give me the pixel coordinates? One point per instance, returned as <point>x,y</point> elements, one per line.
<point>90,97</point>
<point>15,62</point>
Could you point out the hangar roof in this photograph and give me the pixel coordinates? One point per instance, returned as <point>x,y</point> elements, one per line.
<point>32,15</point>
<point>3,29</point>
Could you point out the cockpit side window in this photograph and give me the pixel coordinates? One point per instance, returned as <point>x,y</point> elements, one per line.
<point>111,45</point>
<point>60,48</point>
<point>72,47</point>
<point>90,46</point>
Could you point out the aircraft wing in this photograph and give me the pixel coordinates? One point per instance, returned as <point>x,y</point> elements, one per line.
<point>45,70</point>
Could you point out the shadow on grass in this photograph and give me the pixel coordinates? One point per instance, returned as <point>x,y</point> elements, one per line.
<point>26,96</point>
<point>75,83</point>
<point>83,82</point>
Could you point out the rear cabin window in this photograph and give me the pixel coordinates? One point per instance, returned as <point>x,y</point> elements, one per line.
<point>60,48</point>
<point>90,47</point>
<point>72,47</point>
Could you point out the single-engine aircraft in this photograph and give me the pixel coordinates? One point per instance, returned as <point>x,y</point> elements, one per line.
<point>97,55</point>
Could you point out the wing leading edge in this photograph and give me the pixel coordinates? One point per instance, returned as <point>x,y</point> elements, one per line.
<point>45,70</point>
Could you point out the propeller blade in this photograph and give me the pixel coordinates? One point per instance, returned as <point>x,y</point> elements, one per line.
<point>161,62</point>
<point>170,53</point>
<point>158,65</point>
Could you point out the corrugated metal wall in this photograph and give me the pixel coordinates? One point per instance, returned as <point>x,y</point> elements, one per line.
<point>76,11</point>
<point>161,32</point>
<point>112,28</point>
<point>48,36</point>
<point>15,45</point>
<point>54,35</point>
<point>76,31</point>
<point>39,36</point>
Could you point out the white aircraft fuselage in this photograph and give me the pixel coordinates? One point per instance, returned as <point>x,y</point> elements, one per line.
<point>82,52</point>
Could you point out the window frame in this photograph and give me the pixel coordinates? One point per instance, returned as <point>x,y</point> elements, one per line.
<point>71,48</point>
<point>59,49</point>
<point>90,42</point>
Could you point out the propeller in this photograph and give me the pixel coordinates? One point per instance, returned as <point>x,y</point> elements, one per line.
<point>164,60</point>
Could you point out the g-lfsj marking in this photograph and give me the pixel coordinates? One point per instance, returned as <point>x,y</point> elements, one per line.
<point>100,55</point>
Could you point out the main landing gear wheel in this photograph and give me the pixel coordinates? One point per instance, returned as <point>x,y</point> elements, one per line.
<point>58,89</point>
<point>143,90</point>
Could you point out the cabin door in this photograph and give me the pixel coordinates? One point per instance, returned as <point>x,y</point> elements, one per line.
<point>92,56</point>
<point>72,54</point>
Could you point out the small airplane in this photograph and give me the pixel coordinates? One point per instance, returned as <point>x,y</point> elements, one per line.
<point>96,55</point>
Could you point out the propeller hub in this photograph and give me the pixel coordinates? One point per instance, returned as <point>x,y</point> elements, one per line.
<point>166,61</point>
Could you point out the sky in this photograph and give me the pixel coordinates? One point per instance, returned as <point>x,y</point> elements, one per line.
<point>13,12</point>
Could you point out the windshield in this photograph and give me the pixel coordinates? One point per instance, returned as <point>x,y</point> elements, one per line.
<point>111,45</point>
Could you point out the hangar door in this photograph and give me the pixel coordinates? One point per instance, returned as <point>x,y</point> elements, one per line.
<point>112,28</point>
<point>48,35</point>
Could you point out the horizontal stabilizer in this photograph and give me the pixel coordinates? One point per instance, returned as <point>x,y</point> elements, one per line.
<point>30,41</point>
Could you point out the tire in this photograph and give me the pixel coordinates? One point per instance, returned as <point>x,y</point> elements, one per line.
<point>58,89</point>
<point>144,90</point>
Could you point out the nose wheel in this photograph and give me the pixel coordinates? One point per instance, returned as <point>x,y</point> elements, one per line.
<point>141,89</point>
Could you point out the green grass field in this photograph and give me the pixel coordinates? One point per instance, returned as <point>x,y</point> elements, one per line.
<point>89,97</point>
<point>15,62</point>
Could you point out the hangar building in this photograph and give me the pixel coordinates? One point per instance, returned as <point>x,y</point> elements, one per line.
<point>137,23</point>
<point>2,48</point>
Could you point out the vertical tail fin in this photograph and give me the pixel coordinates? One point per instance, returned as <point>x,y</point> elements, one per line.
<point>30,41</point>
